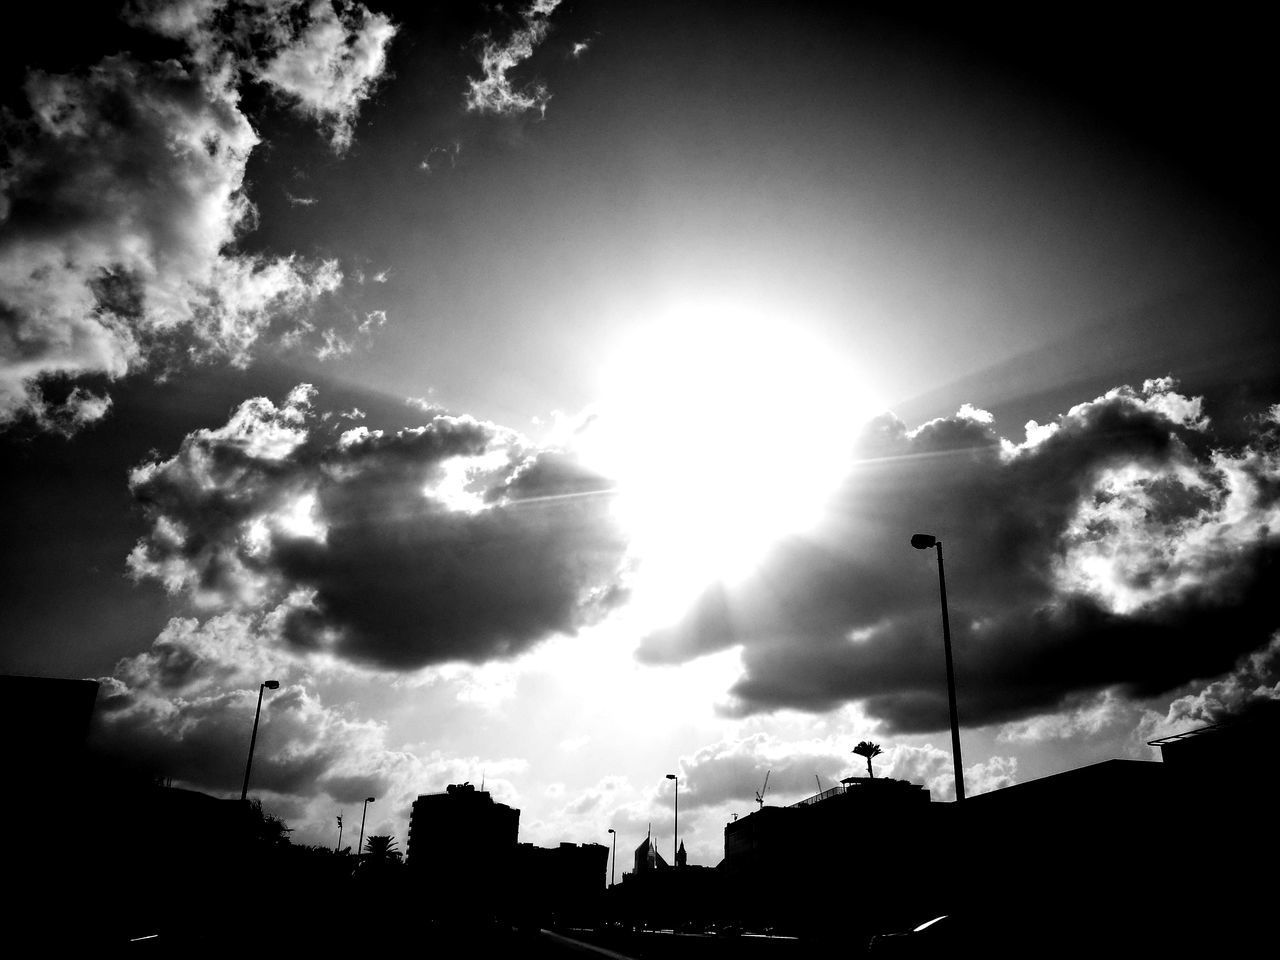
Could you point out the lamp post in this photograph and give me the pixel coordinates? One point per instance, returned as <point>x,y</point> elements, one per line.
<point>923,541</point>
<point>338,848</point>
<point>675,838</point>
<point>265,685</point>
<point>360,848</point>
<point>613,868</point>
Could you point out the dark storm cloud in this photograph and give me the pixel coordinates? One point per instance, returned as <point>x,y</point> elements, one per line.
<point>1120,546</point>
<point>183,709</point>
<point>202,740</point>
<point>123,198</point>
<point>449,542</point>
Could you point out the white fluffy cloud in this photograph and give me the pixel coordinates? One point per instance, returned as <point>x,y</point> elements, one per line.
<point>322,57</point>
<point>1255,679</point>
<point>736,770</point>
<point>732,772</point>
<point>124,198</point>
<point>1089,717</point>
<point>494,92</point>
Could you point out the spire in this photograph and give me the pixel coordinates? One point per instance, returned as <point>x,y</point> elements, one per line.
<point>682,858</point>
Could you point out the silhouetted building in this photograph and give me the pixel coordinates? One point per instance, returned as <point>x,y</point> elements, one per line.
<point>656,895</point>
<point>46,726</point>
<point>1134,856</point>
<point>461,850</point>
<point>1206,755</point>
<point>560,885</point>
<point>1048,840</point>
<point>841,861</point>
<point>647,858</point>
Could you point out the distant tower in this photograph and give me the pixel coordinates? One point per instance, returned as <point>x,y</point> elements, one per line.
<point>647,857</point>
<point>682,858</point>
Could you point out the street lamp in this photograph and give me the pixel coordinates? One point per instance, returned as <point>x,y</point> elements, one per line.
<point>360,848</point>
<point>615,856</point>
<point>923,541</point>
<point>675,838</point>
<point>265,685</point>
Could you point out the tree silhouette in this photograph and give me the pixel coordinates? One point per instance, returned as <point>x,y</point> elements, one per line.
<point>380,847</point>
<point>380,854</point>
<point>266,829</point>
<point>868,749</point>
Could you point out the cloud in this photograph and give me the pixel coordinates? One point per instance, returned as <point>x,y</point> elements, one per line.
<point>121,197</point>
<point>494,92</point>
<point>454,541</point>
<point>1127,545</point>
<point>736,770</point>
<point>124,198</point>
<point>182,709</point>
<point>334,345</point>
<point>323,58</point>
<point>1254,680</point>
<point>1086,716</point>
<point>329,64</point>
<point>437,156</point>
<point>66,416</point>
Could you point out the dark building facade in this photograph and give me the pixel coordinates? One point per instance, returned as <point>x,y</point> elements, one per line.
<point>1128,857</point>
<point>647,859</point>
<point>834,865</point>
<point>461,851</point>
<point>46,722</point>
<point>560,885</point>
<point>656,895</point>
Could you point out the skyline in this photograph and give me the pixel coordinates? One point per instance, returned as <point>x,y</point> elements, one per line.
<point>548,395</point>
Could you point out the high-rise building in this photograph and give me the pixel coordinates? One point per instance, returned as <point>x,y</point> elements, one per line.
<point>461,848</point>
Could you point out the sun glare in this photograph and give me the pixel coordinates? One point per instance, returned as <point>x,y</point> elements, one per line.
<point>724,430</point>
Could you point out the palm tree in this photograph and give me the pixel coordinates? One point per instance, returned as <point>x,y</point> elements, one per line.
<point>868,749</point>
<point>380,852</point>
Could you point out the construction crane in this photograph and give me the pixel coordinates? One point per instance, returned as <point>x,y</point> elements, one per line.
<point>760,792</point>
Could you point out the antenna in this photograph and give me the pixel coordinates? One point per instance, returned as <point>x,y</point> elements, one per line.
<point>760,792</point>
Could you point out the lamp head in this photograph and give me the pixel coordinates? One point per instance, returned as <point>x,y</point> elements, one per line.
<point>369,799</point>
<point>671,776</point>
<point>613,831</point>
<point>272,684</point>
<point>923,541</point>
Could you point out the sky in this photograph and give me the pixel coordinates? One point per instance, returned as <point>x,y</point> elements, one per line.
<point>546,396</point>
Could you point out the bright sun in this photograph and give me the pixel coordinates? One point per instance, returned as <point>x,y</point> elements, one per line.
<point>724,430</point>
